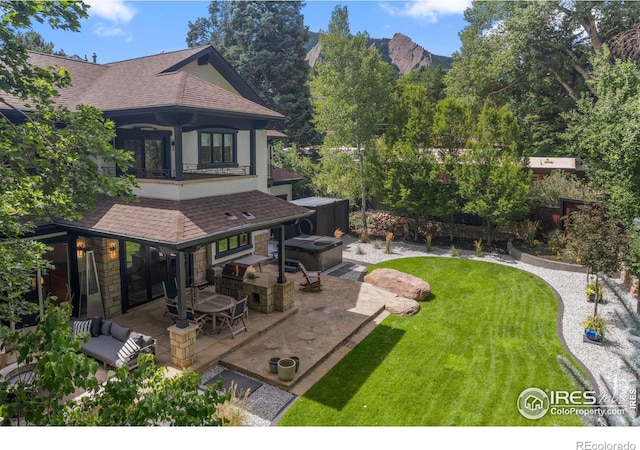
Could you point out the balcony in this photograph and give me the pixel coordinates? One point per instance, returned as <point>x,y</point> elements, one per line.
<point>189,171</point>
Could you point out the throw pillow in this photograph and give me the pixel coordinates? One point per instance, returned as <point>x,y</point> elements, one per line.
<point>81,326</point>
<point>119,332</point>
<point>128,349</point>
<point>105,328</point>
<point>96,324</point>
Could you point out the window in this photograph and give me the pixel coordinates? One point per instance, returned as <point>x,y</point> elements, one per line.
<point>217,148</point>
<point>233,244</point>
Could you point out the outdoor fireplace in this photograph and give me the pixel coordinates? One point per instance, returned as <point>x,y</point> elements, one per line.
<point>315,252</point>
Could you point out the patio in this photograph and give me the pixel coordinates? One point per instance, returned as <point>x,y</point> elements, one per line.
<point>320,325</point>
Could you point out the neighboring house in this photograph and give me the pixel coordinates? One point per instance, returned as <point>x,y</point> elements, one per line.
<point>541,167</point>
<point>199,137</point>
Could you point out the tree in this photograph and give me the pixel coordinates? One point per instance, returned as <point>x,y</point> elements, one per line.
<point>290,159</point>
<point>351,91</point>
<point>452,128</point>
<point>606,133</point>
<point>264,42</point>
<point>34,41</point>
<point>411,183</point>
<point>338,174</point>
<point>597,242</point>
<point>536,56</point>
<point>431,77</point>
<point>411,117</point>
<point>493,181</point>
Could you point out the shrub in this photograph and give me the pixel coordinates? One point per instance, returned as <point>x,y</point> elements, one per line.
<point>556,241</point>
<point>453,251</point>
<point>428,237</point>
<point>477,245</point>
<point>529,230</point>
<point>388,239</point>
<point>359,250</point>
<point>338,233</point>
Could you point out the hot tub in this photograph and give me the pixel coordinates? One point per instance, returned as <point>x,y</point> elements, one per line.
<point>315,252</point>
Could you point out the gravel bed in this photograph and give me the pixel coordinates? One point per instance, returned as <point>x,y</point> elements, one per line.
<point>262,406</point>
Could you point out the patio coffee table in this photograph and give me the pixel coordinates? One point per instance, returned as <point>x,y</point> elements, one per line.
<point>214,304</point>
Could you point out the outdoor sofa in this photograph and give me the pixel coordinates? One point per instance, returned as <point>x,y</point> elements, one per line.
<point>112,344</point>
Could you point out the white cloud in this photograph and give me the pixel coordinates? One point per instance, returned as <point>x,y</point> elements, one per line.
<point>427,9</point>
<point>116,11</point>
<point>103,30</point>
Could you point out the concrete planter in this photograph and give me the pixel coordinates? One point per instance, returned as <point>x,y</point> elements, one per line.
<point>286,369</point>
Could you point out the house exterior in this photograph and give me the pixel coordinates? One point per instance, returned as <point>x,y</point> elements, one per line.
<point>198,134</point>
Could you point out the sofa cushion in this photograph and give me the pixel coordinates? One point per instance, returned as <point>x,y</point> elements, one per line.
<point>103,348</point>
<point>141,339</point>
<point>81,326</point>
<point>128,349</point>
<point>96,323</point>
<point>119,332</point>
<point>105,328</point>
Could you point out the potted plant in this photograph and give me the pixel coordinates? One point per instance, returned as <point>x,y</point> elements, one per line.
<point>594,328</point>
<point>593,291</point>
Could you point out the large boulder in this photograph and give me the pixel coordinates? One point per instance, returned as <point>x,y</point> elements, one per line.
<point>401,306</point>
<point>400,283</point>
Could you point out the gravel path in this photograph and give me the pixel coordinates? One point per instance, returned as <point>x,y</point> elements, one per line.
<point>603,362</point>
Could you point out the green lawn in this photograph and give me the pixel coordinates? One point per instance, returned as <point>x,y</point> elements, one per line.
<point>486,333</point>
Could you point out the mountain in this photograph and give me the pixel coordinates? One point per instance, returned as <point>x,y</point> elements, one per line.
<point>400,51</point>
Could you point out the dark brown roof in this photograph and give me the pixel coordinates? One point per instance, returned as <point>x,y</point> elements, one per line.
<point>186,223</point>
<point>149,82</point>
<point>281,176</point>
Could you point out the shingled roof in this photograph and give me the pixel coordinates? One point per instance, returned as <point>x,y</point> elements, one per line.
<point>187,223</point>
<point>155,81</point>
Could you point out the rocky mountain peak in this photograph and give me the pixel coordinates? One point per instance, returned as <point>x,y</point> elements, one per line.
<point>400,51</point>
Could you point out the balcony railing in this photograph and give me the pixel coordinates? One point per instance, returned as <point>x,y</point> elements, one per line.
<point>190,171</point>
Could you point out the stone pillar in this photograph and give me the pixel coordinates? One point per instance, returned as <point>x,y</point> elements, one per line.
<point>283,297</point>
<point>183,344</point>
<point>261,243</point>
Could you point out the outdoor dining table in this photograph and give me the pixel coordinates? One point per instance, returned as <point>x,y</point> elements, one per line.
<point>213,304</point>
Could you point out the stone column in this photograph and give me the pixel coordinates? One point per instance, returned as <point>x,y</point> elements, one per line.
<point>183,344</point>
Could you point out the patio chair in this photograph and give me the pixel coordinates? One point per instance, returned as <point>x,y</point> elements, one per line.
<point>233,316</point>
<point>171,300</point>
<point>313,282</point>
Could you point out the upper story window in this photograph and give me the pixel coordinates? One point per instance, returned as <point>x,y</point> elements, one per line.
<point>217,147</point>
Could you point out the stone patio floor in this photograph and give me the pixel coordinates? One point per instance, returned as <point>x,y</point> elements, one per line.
<point>320,329</point>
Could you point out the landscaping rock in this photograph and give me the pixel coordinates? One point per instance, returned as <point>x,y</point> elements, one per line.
<point>401,306</point>
<point>400,283</point>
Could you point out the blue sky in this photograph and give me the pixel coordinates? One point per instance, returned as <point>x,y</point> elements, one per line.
<point>119,29</point>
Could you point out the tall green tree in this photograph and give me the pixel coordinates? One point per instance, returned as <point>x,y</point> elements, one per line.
<point>452,128</point>
<point>606,133</point>
<point>351,93</point>
<point>411,116</point>
<point>536,57</point>
<point>493,180</point>
<point>264,42</point>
